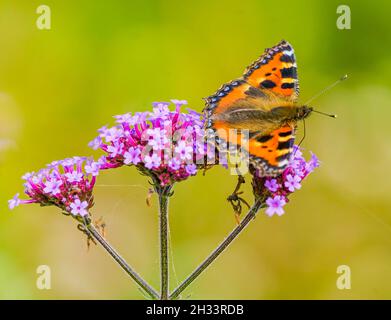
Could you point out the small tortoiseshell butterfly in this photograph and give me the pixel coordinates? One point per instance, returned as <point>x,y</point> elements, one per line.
<point>262,101</point>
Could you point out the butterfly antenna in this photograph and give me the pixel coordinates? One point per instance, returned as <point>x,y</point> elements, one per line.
<point>325,114</point>
<point>327,89</point>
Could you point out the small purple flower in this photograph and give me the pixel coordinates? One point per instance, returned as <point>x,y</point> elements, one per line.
<point>292,182</point>
<point>27,175</point>
<point>52,187</point>
<point>272,185</point>
<point>74,176</point>
<point>152,161</point>
<point>69,162</point>
<point>179,103</point>
<point>132,156</point>
<point>110,134</point>
<point>184,151</point>
<point>156,138</point>
<point>115,149</point>
<point>96,143</point>
<point>298,166</point>
<point>313,163</point>
<point>275,206</point>
<point>160,109</point>
<point>297,152</point>
<point>124,118</point>
<point>79,208</point>
<point>92,168</point>
<point>14,202</point>
<point>191,169</point>
<point>174,164</point>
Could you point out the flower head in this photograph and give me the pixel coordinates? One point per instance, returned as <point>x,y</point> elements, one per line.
<point>67,184</point>
<point>275,190</point>
<point>163,143</point>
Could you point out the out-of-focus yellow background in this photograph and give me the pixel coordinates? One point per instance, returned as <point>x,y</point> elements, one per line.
<point>103,58</point>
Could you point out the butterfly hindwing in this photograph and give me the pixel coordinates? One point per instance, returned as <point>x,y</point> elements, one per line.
<point>271,153</point>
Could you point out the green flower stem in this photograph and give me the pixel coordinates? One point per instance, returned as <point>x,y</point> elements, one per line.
<point>164,194</point>
<point>215,254</point>
<point>114,254</point>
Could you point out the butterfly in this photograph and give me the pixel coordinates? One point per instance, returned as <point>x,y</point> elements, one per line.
<point>264,102</point>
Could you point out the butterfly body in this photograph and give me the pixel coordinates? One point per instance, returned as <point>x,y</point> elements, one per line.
<point>264,102</point>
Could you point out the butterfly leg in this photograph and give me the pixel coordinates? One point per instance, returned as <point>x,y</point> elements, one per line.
<point>101,226</point>
<point>83,228</point>
<point>236,201</point>
<point>148,199</point>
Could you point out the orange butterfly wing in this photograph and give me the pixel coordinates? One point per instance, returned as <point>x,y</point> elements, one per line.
<point>275,70</point>
<point>271,153</point>
<point>270,81</point>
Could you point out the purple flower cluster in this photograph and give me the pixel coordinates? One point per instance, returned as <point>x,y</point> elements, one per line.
<point>278,188</point>
<point>66,184</point>
<point>163,143</point>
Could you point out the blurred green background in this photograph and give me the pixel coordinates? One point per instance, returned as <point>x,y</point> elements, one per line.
<point>103,58</point>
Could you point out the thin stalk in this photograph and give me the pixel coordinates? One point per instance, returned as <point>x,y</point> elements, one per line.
<point>164,195</point>
<point>215,254</point>
<point>114,254</point>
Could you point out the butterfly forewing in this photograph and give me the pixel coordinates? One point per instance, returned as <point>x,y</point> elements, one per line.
<point>275,70</point>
